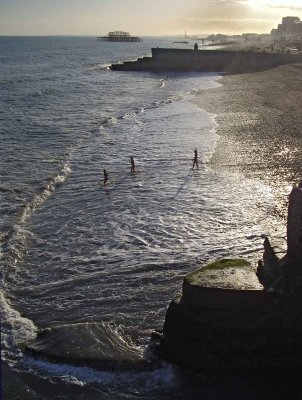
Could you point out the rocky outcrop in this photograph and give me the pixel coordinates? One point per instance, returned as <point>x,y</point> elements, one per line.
<point>89,345</point>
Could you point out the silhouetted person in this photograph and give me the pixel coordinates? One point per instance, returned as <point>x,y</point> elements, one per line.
<point>105,176</point>
<point>195,161</point>
<point>195,46</point>
<point>132,164</point>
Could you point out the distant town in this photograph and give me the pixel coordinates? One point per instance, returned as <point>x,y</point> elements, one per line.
<point>248,52</point>
<point>286,38</point>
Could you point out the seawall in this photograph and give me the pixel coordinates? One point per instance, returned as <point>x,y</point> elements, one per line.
<point>225,320</point>
<point>221,61</point>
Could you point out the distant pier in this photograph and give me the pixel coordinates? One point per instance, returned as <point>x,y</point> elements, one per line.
<point>119,36</point>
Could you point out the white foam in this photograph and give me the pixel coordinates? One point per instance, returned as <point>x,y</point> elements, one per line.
<point>110,121</point>
<point>16,329</point>
<point>164,377</point>
<point>40,198</point>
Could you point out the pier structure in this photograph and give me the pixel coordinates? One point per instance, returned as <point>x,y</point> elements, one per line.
<point>119,36</point>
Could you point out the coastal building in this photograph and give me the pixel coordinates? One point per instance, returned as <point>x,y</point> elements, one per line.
<point>289,29</point>
<point>219,38</point>
<point>250,37</point>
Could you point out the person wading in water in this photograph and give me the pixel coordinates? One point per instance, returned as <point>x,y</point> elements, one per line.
<point>195,161</point>
<point>132,164</point>
<point>105,177</point>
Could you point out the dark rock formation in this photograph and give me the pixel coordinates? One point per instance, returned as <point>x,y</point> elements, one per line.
<point>88,345</point>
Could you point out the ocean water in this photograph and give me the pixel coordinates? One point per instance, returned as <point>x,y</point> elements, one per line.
<point>97,265</point>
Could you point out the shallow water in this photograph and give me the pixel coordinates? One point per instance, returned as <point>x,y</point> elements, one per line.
<point>79,254</point>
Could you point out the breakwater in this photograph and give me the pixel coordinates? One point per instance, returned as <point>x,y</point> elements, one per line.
<point>224,61</point>
<point>224,320</point>
<point>228,316</point>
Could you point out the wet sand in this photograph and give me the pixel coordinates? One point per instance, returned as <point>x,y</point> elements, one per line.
<point>259,121</point>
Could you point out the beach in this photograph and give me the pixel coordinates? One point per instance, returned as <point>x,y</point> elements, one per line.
<point>77,255</point>
<point>259,123</point>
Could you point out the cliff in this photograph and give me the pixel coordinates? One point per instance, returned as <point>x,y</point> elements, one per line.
<point>222,61</point>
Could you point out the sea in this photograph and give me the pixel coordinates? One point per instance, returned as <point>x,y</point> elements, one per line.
<point>95,266</point>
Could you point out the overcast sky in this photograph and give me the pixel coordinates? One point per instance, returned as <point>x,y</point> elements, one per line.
<point>143,17</point>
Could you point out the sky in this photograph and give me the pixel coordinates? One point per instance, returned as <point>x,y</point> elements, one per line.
<point>143,17</point>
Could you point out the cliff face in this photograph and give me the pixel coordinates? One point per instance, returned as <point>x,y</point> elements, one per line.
<point>218,324</point>
<point>187,60</point>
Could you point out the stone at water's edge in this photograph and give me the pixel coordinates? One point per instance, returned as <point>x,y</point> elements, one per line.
<point>225,319</point>
<point>90,345</point>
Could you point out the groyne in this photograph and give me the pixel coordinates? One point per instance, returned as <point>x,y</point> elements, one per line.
<point>221,61</point>
<point>217,327</point>
<point>231,316</point>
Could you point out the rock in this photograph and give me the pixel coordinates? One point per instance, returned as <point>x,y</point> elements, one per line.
<point>89,345</point>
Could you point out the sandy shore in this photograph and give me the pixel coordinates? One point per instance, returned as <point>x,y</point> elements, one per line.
<point>259,117</point>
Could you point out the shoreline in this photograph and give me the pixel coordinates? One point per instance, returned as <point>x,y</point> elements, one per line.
<point>259,124</point>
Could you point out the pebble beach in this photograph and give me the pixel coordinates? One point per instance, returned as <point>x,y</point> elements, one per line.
<point>259,123</point>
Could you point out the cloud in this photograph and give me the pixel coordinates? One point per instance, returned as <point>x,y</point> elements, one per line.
<point>229,2</point>
<point>289,7</point>
<point>227,25</point>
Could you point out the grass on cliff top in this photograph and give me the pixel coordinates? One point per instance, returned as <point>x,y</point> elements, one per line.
<point>217,265</point>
